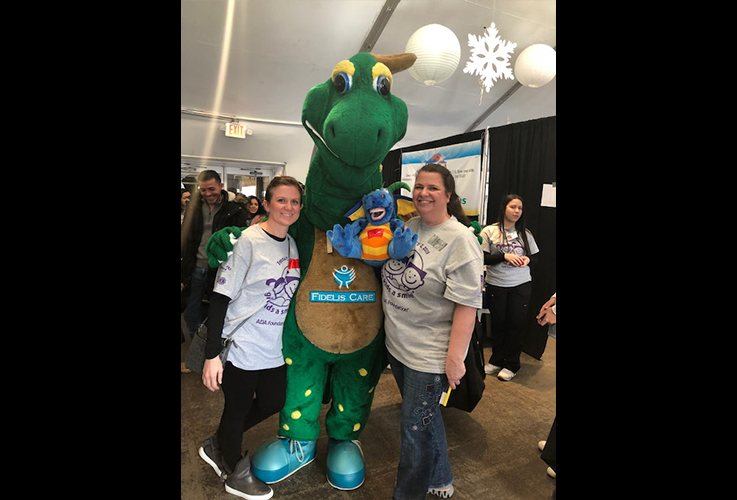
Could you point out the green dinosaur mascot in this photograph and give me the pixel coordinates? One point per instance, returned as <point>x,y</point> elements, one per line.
<point>333,331</point>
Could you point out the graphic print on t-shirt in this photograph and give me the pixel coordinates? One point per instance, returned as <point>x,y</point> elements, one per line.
<point>511,246</point>
<point>283,287</point>
<point>404,276</point>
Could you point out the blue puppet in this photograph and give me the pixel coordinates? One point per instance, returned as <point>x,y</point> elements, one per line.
<point>376,234</point>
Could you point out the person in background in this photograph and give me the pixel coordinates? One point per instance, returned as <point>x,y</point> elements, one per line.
<point>547,316</point>
<point>241,198</point>
<point>256,211</point>
<point>184,201</point>
<point>252,293</point>
<point>430,300</point>
<point>208,211</point>
<point>189,185</point>
<point>512,247</point>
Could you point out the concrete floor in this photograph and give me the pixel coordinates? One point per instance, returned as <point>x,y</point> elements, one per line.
<point>493,450</point>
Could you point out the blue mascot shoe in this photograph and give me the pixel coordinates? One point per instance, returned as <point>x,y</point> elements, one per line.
<point>345,464</point>
<point>281,458</point>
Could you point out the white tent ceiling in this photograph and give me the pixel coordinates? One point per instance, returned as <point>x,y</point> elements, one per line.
<point>258,58</point>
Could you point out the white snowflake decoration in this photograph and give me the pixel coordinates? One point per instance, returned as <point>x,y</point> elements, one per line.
<point>489,57</point>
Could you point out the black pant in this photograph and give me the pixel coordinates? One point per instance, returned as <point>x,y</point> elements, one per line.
<point>548,453</point>
<point>508,308</point>
<point>242,410</point>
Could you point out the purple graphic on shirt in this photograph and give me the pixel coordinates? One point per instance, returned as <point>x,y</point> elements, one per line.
<point>282,288</point>
<point>511,246</point>
<point>221,280</point>
<point>404,275</point>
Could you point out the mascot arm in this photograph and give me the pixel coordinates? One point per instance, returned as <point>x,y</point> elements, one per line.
<point>221,243</point>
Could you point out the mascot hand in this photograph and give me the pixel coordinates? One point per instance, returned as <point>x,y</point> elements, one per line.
<point>402,243</point>
<point>220,245</point>
<point>475,227</point>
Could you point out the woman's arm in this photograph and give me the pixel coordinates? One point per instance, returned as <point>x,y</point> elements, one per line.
<point>493,257</point>
<point>464,320</point>
<point>212,372</point>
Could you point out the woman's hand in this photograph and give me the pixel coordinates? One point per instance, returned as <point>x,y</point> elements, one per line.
<point>515,260</point>
<point>455,369</point>
<point>212,373</point>
<point>550,303</point>
<point>461,330</point>
<point>546,317</point>
<point>525,260</point>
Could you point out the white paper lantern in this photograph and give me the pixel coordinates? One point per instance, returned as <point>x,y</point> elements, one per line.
<point>535,65</point>
<point>438,52</point>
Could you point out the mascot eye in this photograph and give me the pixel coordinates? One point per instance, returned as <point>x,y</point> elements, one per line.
<point>382,85</point>
<point>342,82</point>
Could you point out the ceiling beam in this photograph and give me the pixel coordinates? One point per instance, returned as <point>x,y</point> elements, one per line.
<point>220,116</point>
<point>232,160</point>
<point>495,105</point>
<point>386,12</point>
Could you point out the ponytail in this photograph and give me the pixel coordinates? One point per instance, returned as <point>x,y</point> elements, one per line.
<point>456,209</point>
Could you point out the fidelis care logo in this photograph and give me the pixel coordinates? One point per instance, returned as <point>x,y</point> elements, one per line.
<point>344,276</point>
<point>404,275</point>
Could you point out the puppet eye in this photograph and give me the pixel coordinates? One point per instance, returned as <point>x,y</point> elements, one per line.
<point>342,82</point>
<point>382,85</point>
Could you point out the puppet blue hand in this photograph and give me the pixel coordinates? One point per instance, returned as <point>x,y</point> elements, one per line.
<point>345,240</point>
<point>219,245</point>
<point>338,238</point>
<point>402,243</point>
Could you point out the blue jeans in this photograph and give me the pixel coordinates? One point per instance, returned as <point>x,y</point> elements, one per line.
<point>423,459</point>
<point>193,311</point>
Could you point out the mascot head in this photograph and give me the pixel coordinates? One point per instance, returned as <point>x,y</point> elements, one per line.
<point>354,120</point>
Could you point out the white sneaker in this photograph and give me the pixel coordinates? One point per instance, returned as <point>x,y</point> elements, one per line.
<point>506,375</point>
<point>444,492</point>
<point>490,369</point>
<point>551,472</point>
<point>541,445</point>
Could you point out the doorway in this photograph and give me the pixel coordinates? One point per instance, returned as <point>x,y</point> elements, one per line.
<point>251,181</point>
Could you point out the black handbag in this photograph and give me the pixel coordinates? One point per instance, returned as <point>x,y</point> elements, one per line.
<point>195,359</point>
<point>468,392</point>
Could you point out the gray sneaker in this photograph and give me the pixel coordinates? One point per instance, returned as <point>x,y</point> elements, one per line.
<point>244,484</point>
<point>210,453</point>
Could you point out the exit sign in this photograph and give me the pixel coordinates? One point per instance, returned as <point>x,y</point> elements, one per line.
<point>235,129</point>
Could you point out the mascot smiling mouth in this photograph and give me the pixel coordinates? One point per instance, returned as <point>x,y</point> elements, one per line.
<point>377,213</point>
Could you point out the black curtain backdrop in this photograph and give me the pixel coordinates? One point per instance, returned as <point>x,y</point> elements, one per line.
<point>522,160</point>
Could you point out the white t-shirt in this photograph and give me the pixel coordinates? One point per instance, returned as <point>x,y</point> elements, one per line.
<point>260,278</point>
<point>503,273</point>
<point>421,291</point>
